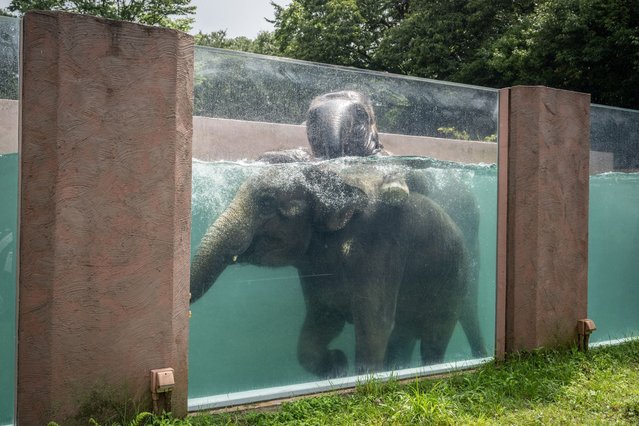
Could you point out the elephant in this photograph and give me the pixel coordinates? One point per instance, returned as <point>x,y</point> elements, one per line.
<point>396,271</point>
<point>342,124</point>
<point>338,124</point>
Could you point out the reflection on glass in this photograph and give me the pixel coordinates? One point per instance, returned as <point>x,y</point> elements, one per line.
<point>275,90</point>
<point>9,56</point>
<point>312,263</point>
<point>614,223</point>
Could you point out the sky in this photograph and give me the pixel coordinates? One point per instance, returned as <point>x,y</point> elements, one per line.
<point>237,17</point>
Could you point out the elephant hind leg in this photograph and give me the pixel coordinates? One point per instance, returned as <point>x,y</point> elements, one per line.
<point>469,321</point>
<point>400,347</point>
<point>318,330</point>
<point>434,339</point>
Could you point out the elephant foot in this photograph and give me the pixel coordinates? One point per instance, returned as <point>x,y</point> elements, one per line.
<point>325,365</point>
<point>394,190</point>
<point>336,364</point>
<point>479,353</point>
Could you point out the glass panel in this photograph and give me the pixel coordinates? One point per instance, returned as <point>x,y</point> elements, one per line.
<point>614,223</point>
<point>9,54</point>
<point>310,258</point>
<point>9,57</point>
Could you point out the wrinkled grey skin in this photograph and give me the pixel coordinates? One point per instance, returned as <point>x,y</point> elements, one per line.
<point>338,124</point>
<point>457,199</point>
<point>342,124</point>
<point>397,272</point>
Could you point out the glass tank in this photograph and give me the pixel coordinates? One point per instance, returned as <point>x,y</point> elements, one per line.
<point>343,227</point>
<point>613,242</point>
<point>9,54</point>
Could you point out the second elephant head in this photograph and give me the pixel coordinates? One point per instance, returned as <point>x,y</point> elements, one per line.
<point>340,124</point>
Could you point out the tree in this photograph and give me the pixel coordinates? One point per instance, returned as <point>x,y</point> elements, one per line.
<point>341,32</point>
<point>449,40</point>
<point>584,45</point>
<point>262,44</point>
<point>165,13</point>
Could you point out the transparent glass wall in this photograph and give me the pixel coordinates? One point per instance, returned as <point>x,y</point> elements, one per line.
<point>613,289</point>
<point>310,268</point>
<point>9,55</point>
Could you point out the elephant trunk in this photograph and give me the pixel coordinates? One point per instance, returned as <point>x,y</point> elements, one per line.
<point>342,124</point>
<point>229,236</point>
<point>326,130</point>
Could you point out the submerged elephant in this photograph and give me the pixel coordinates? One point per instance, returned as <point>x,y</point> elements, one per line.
<point>342,124</point>
<point>398,272</point>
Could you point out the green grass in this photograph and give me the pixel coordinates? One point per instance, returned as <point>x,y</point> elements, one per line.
<point>546,387</point>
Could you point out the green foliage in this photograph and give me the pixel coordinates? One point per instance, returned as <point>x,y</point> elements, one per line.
<point>103,406</point>
<point>165,13</point>
<point>543,387</point>
<point>9,57</point>
<point>448,40</point>
<point>262,44</point>
<point>147,419</point>
<point>583,45</point>
<point>464,135</point>
<point>340,32</point>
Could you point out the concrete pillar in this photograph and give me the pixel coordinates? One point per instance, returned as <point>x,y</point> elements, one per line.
<point>106,126</point>
<point>543,217</point>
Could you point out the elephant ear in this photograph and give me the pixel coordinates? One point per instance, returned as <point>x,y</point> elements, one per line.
<point>334,201</point>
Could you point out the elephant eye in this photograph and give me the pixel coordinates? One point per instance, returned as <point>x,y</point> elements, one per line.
<point>266,205</point>
<point>361,114</point>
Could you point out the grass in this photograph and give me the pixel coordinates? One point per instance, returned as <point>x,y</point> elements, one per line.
<point>545,387</point>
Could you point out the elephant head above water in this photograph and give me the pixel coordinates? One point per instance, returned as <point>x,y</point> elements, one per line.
<point>397,271</point>
<point>340,124</point>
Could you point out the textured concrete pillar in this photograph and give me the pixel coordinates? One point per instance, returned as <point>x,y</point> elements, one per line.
<point>544,219</point>
<point>106,126</point>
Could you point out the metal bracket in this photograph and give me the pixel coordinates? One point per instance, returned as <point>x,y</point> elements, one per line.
<point>585,327</point>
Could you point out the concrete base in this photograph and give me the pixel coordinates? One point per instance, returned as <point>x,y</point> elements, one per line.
<point>105,213</point>
<point>545,264</point>
<point>8,126</point>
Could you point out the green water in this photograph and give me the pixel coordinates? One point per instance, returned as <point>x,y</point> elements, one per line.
<point>613,258</point>
<point>8,224</point>
<point>244,331</point>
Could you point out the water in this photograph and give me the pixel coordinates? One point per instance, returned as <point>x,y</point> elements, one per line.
<point>244,331</point>
<point>8,224</point>
<point>613,263</point>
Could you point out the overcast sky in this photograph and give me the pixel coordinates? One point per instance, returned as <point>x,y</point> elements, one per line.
<point>237,17</point>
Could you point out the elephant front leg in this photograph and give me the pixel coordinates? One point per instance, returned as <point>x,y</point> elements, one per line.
<point>319,329</point>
